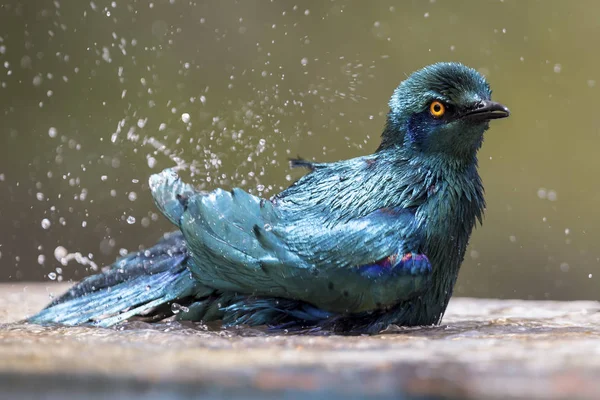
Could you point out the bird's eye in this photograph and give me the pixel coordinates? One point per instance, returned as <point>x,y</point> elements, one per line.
<point>437,109</point>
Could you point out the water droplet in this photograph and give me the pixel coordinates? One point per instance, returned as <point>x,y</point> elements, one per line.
<point>151,162</point>
<point>185,117</point>
<point>131,220</point>
<point>52,275</point>
<point>542,194</point>
<point>132,196</point>
<point>177,308</point>
<point>304,61</point>
<point>52,132</point>
<point>564,267</point>
<point>60,252</point>
<point>268,227</point>
<point>557,68</point>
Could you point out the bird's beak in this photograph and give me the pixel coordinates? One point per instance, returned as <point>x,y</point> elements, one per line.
<point>486,110</point>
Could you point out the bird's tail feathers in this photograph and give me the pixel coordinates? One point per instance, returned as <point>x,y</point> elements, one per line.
<point>134,285</point>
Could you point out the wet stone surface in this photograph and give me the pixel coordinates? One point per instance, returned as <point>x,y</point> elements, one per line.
<point>490,349</point>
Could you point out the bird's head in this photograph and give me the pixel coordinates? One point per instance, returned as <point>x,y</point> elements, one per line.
<point>442,109</point>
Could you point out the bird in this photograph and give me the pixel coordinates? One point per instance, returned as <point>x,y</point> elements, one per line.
<point>353,246</point>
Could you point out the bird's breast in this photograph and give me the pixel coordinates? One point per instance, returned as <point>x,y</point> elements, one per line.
<point>448,218</point>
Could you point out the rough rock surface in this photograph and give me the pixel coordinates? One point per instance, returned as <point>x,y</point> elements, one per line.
<point>488,349</point>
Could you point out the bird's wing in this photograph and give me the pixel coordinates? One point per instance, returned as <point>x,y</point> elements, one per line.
<point>238,243</point>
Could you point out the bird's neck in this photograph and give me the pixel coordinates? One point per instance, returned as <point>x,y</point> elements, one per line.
<point>444,152</point>
<point>393,133</point>
<point>434,162</point>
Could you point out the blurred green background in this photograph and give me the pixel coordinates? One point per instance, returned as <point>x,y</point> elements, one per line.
<point>96,96</point>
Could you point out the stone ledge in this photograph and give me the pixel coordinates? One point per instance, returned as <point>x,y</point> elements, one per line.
<point>492,349</point>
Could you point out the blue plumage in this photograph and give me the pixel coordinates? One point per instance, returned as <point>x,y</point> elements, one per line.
<point>354,245</point>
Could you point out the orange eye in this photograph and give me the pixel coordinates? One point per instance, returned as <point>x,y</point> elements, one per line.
<point>437,109</point>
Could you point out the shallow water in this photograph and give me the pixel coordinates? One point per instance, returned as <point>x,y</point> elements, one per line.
<point>489,348</point>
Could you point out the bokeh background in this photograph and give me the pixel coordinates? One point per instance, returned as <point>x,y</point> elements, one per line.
<point>96,95</point>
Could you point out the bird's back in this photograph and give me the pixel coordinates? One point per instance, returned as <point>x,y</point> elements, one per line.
<point>307,243</point>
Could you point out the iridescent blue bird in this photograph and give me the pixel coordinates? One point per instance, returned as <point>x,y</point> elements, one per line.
<point>353,246</point>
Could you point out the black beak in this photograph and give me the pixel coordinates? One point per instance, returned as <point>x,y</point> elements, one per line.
<point>486,110</point>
